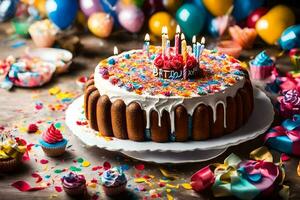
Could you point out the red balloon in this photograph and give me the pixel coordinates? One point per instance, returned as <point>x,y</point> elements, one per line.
<point>255,16</point>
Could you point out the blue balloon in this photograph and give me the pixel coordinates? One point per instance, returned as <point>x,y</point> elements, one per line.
<point>243,8</point>
<point>191,19</point>
<point>290,38</point>
<point>108,7</point>
<point>7,9</point>
<point>62,12</point>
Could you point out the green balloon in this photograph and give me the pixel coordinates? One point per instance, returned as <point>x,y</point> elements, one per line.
<point>191,19</point>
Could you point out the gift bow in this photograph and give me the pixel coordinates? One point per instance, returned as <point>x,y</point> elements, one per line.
<point>243,179</point>
<point>285,138</point>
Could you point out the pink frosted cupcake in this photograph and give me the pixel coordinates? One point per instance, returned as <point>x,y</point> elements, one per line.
<point>113,181</point>
<point>52,142</point>
<point>74,185</point>
<point>289,103</point>
<point>262,66</point>
<point>43,33</point>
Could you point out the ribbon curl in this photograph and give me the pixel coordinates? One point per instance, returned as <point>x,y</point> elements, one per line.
<point>243,179</point>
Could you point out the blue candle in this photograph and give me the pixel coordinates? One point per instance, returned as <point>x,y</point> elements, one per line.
<point>194,45</point>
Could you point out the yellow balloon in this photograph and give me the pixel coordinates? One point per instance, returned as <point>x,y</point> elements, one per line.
<point>160,19</point>
<point>217,7</point>
<point>270,26</point>
<point>101,24</point>
<point>40,5</point>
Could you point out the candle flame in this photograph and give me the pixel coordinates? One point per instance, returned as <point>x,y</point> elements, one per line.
<point>203,40</point>
<point>194,39</point>
<point>116,50</point>
<point>178,29</point>
<point>182,36</point>
<point>147,37</point>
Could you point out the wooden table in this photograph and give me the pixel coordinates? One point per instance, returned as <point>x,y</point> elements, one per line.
<point>17,110</point>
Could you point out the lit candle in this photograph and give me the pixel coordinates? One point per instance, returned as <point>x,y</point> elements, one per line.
<point>194,45</point>
<point>147,44</point>
<point>184,55</point>
<point>177,42</point>
<point>202,45</point>
<point>164,40</point>
<point>198,51</point>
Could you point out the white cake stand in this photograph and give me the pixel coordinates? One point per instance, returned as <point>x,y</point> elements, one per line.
<point>175,152</point>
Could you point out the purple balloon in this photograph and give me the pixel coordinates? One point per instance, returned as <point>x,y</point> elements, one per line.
<point>89,7</point>
<point>131,18</point>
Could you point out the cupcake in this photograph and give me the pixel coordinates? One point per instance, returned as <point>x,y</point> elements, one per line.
<point>113,181</point>
<point>74,185</point>
<point>11,153</point>
<point>43,33</point>
<point>52,142</point>
<point>261,67</point>
<point>289,103</point>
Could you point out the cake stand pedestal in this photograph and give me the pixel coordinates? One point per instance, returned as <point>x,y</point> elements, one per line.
<point>174,152</point>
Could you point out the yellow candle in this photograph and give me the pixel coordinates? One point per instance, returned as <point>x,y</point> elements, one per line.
<point>164,39</point>
<point>183,48</point>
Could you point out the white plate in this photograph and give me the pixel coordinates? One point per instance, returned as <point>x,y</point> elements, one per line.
<point>175,157</point>
<point>258,123</point>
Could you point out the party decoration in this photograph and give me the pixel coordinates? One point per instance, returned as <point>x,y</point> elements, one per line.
<point>24,186</point>
<point>219,25</point>
<point>270,26</point>
<point>247,180</point>
<point>255,16</point>
<point>229,47</point>
<point>295,57</point>
<point>131,18</point>
<point>7,9</point>
<point>286,137</point>
<point>191,19</point>
<point>243,8</point>
<point>109,6</point>
<point>152,6</point>
<point>290,38</point>
<point>216,8</point>
<point>289,103</point>
<point>244,37</point>
<point>62,12</point>
<point>88,7</point>
<point>101,24</point>
<point>262,66</point>
<point>172,5</point>
<point>162,19</point>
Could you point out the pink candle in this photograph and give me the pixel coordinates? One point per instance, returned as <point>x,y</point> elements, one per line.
<point>177,39</point>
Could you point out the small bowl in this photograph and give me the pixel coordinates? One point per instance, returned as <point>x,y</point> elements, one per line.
<point>21,27</point>
<point>229,47</point>
<point>61,58</point>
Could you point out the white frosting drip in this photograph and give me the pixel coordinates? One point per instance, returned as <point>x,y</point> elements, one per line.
<point>159,103</point>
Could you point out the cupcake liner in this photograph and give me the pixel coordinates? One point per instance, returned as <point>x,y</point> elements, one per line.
<point>113,191</point>
<point>53,152</point>
<point>43,40</point>
<point>9,165</point>
<point>78,191</point>
<point>261,72</point>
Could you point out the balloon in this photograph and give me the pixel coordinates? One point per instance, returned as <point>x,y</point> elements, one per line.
<point>216,7</point>
<point>89,7</point>
<point>172,5</point>
<point>131,18</point>
<point>191,19</point>
<point>255,16</point>
<point>160,19</point>
<point>290,38</point>
<point>270,26</point>
<point>62,12</point>
<point>40,5</point>
<point>152,6</point>
<point>7,9</point>
<point>108,6</point>
<point>243,8</point>
<point>101,24</point>
<point>138,3</point>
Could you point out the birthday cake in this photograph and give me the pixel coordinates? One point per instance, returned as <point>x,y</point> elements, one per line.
<point>163,94</point>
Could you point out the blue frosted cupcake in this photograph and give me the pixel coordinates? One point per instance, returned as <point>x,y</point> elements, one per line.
<point>113,181</point>
<point>52,142</point>
<point>262,66</point>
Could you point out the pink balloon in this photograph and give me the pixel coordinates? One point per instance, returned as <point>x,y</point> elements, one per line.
<point>131,18</point>
<point>89,7</point>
